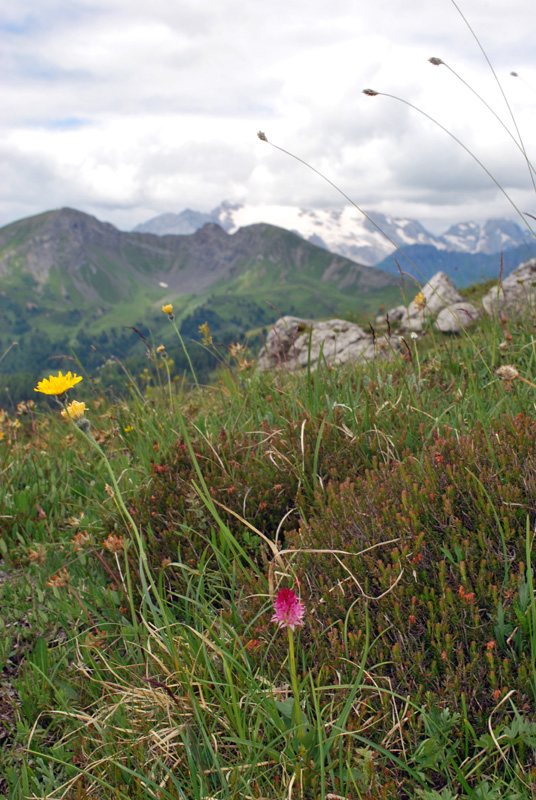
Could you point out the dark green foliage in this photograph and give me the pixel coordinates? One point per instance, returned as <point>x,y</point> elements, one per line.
<point>445,586</point>
<point>454,577</point>
<point>397,495</point>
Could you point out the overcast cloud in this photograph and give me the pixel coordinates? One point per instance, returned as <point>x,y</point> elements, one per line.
<point>126,110</point>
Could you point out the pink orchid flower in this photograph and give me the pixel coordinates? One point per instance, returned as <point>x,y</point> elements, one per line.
<point>289,612</point>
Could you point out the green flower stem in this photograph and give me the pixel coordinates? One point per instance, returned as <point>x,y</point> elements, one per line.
<point>294,682</point>
<point>177,331</point>
<point>145,573</point>
<point>416,351</point>
<point>169,382</point>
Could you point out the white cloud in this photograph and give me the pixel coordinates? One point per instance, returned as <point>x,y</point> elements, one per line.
<point>127,110</point>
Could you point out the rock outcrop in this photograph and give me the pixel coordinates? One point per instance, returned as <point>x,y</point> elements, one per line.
<point>455,318</point>
<point>293,343</point>
<point>516,294</point>
<point>438,297</point>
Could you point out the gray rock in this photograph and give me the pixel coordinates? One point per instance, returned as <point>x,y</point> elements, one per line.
<point>395,315</point>
<point>456,318</point>
<point>293,342</point>
<point>440,292</point>
<point>515,294</point>
<point>440,298</point>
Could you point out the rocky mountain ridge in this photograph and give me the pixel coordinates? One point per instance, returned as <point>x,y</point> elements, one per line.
<point>101,262</point>
<point>70,283</point>
<point>347,233</point>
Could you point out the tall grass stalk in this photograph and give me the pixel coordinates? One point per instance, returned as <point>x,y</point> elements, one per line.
<point>147,581</point>
<point>519,144</point>
<point>173,321</point>
<point>374,93</point>
<point>499,84</point>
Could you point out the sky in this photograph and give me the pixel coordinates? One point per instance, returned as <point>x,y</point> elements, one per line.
<point>126,110</point>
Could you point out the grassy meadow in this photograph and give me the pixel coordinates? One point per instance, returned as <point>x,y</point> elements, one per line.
<point>141,556</point>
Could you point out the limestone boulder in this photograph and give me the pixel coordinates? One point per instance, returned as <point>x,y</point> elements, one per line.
<point>439,297</point>
<point>516,294</point>
<point>292,342</point>
<point>456,318</point>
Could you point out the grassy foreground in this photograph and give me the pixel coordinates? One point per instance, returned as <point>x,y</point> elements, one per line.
<point>139,570</point>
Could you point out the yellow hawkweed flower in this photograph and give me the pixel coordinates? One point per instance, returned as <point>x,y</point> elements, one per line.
<point>420,302</point>
<point>75,410</point>
<point>57,384</point>
<point>167,309</point>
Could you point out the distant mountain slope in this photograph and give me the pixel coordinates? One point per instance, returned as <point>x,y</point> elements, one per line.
<point>347,232</point>
<point>464,269</point>
<point>69,282</point>
<point>78,257</point>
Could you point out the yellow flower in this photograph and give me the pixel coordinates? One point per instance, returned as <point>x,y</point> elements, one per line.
<point>204,330</point>
<point>75,410</point>
<point>420,301</point>
<point>37,555</point>
<point>25,407</point>
<point>245,364</point>
<point>167,309</point>
<point>57,384</point>
<point>81,539</point>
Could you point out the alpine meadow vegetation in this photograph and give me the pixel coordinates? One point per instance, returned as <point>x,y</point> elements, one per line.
<point>311,585</point>
<point>301,585</point>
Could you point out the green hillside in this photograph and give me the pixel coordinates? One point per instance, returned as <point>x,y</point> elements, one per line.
<point>151,547</point>
<point>73,286</point>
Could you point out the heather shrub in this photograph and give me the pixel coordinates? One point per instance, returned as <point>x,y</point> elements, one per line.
<point>446,589</point>
<point>453,516</point>
<point>395,498</point>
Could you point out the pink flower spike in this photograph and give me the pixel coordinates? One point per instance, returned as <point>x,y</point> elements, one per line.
<point>289,612</point>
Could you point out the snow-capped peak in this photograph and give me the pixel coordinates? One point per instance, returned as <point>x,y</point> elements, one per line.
<point>346,231</point>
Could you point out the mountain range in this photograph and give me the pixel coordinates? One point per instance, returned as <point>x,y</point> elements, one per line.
<point>85,260</point>
<point>349,233</point>
<point>71,282</point>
